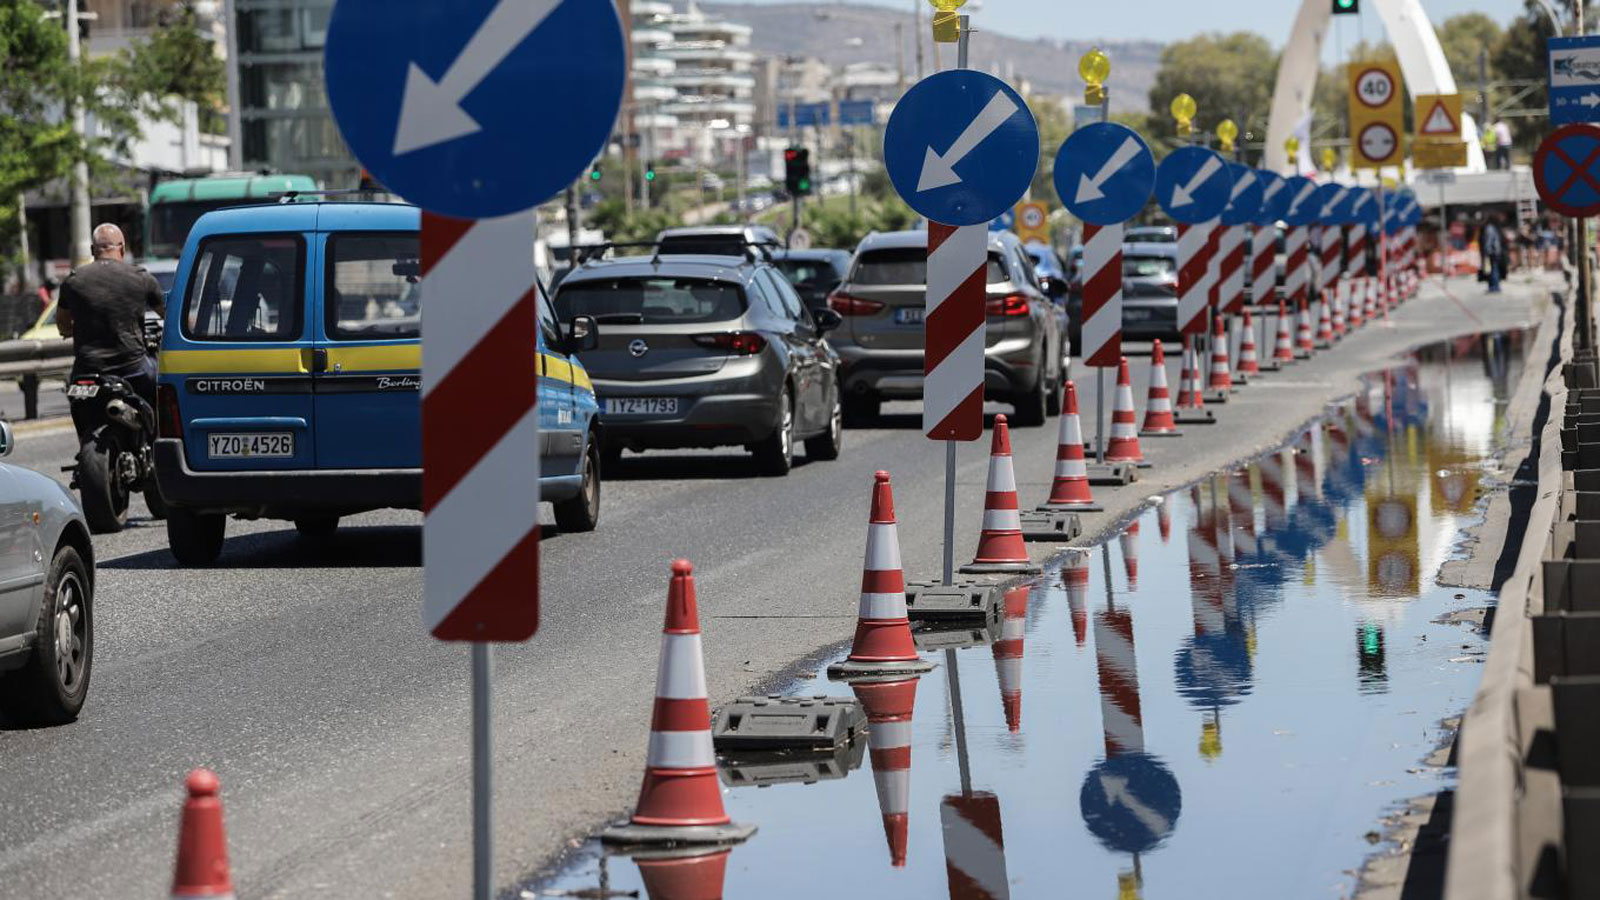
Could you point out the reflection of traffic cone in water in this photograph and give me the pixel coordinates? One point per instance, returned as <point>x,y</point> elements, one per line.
<point>888,705</point>
<point>1070,489</point>
<point>1075,575</point>
<point>1248,364</point>
<point>672,876</point>
<point>1008,655</point>
<point>1128,543</point>
<point>1158,405</point>
<point>883,642</point>
<point>680,801</point>
<point>1124,443</point>
<point>1221,373</point>
<point>1164,520</point>
<point>1283,351</point>
<point>202,864</point>
<point>974,846</point>
<point>1000,545</point>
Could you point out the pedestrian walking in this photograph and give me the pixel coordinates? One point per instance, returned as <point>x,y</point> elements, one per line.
<point>1502,144</point>
<point>1492,246</point>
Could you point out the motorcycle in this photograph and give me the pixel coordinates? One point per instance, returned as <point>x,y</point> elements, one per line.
<point>115,460</point>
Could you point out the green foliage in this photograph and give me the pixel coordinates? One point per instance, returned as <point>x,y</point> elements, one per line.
<point>831,224</point>
<point>178,61</point>
<point>1230,76</point>
<point>1463,38</point>
<point>611,217</point>
<point>1054,127</point>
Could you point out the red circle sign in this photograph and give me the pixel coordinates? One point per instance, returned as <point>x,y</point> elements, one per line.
<point>1374,87</point>
<point>1377,142</point>
<point>1566,170</point>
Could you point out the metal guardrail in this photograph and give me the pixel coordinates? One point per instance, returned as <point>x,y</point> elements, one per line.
<point>28,361</point>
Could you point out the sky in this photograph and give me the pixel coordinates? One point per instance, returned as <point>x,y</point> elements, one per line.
<point>1167,20</point>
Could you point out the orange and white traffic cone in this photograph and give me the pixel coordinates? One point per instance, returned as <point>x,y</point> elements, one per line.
<point>1324,325</point>
<point>680,801</point>
<point>1355,301</point>
<point>1070,489</point>
<point>1283,352</point>
<point>670,875</point>
<point>883,643</point>
<point>1000,544</point>
<point>1341,302</point>
<point>1008,654</point>
<point>1191,405</point>
<point>1124,444</point>
<point>1303,343</point>
<point>1249,366</point>
<point>1221,373</point>
<point>202,869</point>
<point>888,706</point>
<point>1075,576</point>
<point>1158,421</point>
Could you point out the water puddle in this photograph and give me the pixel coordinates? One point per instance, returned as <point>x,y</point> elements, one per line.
<point>1220,701</point>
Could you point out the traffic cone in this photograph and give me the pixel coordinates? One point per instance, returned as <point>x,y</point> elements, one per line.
<point>883,643</point>
<point>1221,374</point>
<point>1303,344</point>
<point>1070,489</point>
<point>202,865</point>
<point>1284,351</point>
<point>1189,378</point>
<point>1358,290</point>
<point>1128,541</point>
<point>680,801</point>
<point>1000,545</point>
<point>1248,364</point>
<point>1374,287</point>
<point>670,875</point>
<point>1124,444</point>
<point>1341,301</point>
<point>1158,421</point>
<point>1324,325</point>
<point>1008,654</point>
<point>1075,577</point>
<point>888,706</point>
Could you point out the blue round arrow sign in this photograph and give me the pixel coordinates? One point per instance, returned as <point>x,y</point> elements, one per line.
<point>1245,203</point>
<point>475,108</point>
<point>961,147</point>
<point>1303,205</point>
<point>1104,173</point>
<point>1275,197</point>
<point>1327,200</point>
<point>1365,207</point>
<point>1193,184</point>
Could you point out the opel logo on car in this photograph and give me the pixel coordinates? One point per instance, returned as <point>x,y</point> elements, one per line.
<point>638,347</point>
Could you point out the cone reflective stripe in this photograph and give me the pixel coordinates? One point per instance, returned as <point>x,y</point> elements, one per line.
<point>1297,266</point>
<point>201,870</point>
<point>974,847</point>
<point>1158,405</point>
<point>1221,374</point>
<point>1000,544</point>
<point>1101,330</point>
<point>671,876</point>
<point>1248,363</point>
<point>1302,335</point>
<point>1128,543</point>
<point>1231,248</point>
<point>888,706</point>
<point>1070,489</point>
<point>1119,682</point>
<point>1008,654</point>
<point>1325,323</point>
<point>883,632</point>
<point>1124,443</point>
<point>1284,351</point>
<point>1263,265</point>
<point>1193,285</point>
<point>1075,576</point>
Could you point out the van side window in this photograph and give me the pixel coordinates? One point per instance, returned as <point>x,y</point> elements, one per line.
<point>373,287</point>
<point>246,289</point>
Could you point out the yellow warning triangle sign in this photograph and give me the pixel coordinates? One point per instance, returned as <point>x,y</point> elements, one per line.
<point>1439,122</point>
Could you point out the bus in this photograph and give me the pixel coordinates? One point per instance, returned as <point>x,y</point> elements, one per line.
<point>175,205</point>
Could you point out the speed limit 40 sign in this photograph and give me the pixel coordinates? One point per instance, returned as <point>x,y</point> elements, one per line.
<point>1377,113</point>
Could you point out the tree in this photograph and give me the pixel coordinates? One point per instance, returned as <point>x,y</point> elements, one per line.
<point>1051,115</point>
<point>180,62</point>
<point>1464,38</point>
<point>1230,76</point>
<point>35,144</point>
<point>1520,55</point>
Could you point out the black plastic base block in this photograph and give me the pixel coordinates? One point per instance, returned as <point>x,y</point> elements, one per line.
<point>964,599</point>
<point>1195,417</point>
<point>1016,568</point>
<point>1050,526</point>
<point>1112,473</point>
<point>1216,395</point>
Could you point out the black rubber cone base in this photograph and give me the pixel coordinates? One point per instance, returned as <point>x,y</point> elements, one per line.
<point>1190,416</point>
<point>1022,568</point>
<point>627,834</point>
<point>1176,432</point>
<point>852,668</point>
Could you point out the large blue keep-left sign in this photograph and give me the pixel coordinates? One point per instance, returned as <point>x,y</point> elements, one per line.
<point>475,108</point>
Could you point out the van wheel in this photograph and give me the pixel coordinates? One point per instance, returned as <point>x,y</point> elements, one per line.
<point>582,512</point>
<point>195,538</point>
<point>316,526</point>
<point>50,688</point>
<point>775,453</point>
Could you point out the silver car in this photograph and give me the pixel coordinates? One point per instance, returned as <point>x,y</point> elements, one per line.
<point>46,597</point>
<point>707,351</point>
<point>881,343</point>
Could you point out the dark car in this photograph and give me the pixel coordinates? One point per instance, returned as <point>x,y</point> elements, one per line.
<point>814,273</point>
<point>1149,292</point>
<point>707,351</point>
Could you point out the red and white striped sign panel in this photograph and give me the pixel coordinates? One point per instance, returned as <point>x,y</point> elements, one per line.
<point>1102,295</point>
<point>1231,246</point>
<point>1263,265</point>
<point>480,429</point>
<point>1297,267</point>
<point>953,332</point>
<point>1193,285</point>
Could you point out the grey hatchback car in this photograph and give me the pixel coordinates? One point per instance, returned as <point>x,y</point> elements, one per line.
<point>881,343</point>
<point>707,351</point>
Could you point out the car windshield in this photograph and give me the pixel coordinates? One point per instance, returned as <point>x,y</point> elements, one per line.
<point>703,245</point>
<point>907,265</point>
<point>650,301</point>
<point>1151,236</point>
<point>1147,266</point>
<point>373,286</point>
<point>807,271</point>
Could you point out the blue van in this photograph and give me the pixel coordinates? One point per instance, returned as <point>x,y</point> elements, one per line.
<point>290,377</point>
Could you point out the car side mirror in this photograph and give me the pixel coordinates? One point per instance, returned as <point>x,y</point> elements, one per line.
<point>1053,287</point>
<point>827,319</point>
<point>8,440</point>
<point>583,333</point>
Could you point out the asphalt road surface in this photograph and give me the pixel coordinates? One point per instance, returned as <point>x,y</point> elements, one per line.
<point>300,671</point>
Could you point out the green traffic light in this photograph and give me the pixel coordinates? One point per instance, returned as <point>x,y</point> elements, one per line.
<point>649,174</point>
<point>805,184</point>
<point>594,175</point>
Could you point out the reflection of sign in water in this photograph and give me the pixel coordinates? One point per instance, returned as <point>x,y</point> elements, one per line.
<point>1392,550</point>
<point>974,846</point>
<point>1130,802</point>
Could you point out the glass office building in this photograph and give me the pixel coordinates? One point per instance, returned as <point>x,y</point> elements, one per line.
<point>284,116</point>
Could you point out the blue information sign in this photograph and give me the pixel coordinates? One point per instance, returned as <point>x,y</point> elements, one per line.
<point>1303,206</point>
<point>436,99</point>
<point>1275,197</point>
<point>1245,203</point>
<point>805,115</point>
<point>961,147</point>
<point>1193,184</point>
<point>856,112</point>
<point>1574,79</point>
<point>1104,173</point>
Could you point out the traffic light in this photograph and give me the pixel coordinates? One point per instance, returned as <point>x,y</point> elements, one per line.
<point>797,171</point>
<point>594,173</point>
<point>650,170</point>
<point>1346,7</point>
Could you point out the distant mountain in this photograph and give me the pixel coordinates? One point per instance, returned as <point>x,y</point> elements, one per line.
<point>840,33</point>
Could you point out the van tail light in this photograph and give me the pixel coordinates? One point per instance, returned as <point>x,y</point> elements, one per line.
<point>169,422</point>
<point>846,305</point>
<point>738,343</point>
<point>1009,305</point>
